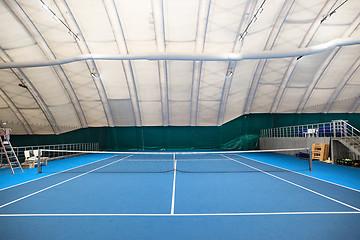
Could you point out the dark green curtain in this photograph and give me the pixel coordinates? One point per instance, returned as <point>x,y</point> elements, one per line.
<point>239,134</point>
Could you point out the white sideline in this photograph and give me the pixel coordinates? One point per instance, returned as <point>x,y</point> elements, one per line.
<point>297,185</point>
<point>169,214</point>
<point>57,184</point>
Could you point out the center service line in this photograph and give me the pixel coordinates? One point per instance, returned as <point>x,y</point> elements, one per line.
<point>173,189</point>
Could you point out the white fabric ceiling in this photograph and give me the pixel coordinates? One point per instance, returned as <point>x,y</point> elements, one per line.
<point>94,91</point>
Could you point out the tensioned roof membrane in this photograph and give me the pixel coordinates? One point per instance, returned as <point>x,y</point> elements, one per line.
<point>70,64</point>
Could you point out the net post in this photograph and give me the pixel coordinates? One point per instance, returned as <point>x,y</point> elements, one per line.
<point>39,161</point>
<point>310,160</point>
<point>174,162</point>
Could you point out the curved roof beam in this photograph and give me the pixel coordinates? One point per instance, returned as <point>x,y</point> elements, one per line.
<point>195,92</point>
<point>356,105</point>
<point>201,30</point>
<point>16,111</point>
<point>341,85</point>
<point>69,19</point>
<point>324,66</point>
<point>279,22</point>
<point>119,35</point>
<point>158,15</point>
<point>19,14</point>
<point>305,41</point>
<point>250,7</point>
<point>33,92</point>
<point>194,56</point>
<point>8,100</point>
<point>226,89</point>
<point>38,38</point>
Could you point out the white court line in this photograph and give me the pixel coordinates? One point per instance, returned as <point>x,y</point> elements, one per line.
<point>201,160</point>
<point>32,180</point>
<point>151,161</point>
<point>179,160</point>
<point>297,185</point>
<point>301,174</point>
<point>170,215</point>
<point>173,190</point>
<point>57,184</point>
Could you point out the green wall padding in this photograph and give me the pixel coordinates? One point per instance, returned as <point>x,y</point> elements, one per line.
<point>239,134</point>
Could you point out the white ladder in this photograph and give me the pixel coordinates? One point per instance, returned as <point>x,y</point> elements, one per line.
<point>10,155</point>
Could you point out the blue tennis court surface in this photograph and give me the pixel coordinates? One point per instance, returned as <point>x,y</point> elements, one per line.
<point>227,196</point>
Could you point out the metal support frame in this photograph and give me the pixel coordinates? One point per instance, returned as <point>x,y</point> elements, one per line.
<point>249,9</point>
<point>225,92</point>
<point>158,16</point>
<point>16,112</point>
<point>59,72</point>
<point>91,65</point>
<point>321,71</point>
<point>355,105</point>
<point>35,95</point>
<point>351,72</point>
<point>340,42</point>
<point>305,42</point>
<point>285,9</point>
<point>195,92</point>
<point>203,13</point>
<point>119,35</point>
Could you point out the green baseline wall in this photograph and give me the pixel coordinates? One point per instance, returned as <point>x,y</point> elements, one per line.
<point>239,134</point>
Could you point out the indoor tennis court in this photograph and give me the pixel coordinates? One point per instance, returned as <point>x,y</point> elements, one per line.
<point>168,119</point>
<point>211,195</point>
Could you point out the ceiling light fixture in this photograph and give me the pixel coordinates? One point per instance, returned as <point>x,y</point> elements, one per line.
<point>56,18</point>
<point>93,75</point>
<point>332,12</point>
<point>45,7</point>
<point>252,20</point>
<point>22,85</point>
<point>75,36</point>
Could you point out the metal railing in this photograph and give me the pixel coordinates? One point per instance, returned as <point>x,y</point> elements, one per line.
<point>70,147</point>
<point>352,135</point>
<point>336,128</point>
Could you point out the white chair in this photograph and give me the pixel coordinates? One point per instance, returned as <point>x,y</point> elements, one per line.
<point>29,160</point>
<point>28,156</point>
<point>32,157</point>
<point>311,132</point>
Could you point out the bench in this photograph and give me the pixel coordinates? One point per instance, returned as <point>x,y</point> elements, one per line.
<point>31,158</point>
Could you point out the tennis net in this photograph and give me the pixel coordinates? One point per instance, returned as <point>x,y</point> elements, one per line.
<point>187,162</point>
